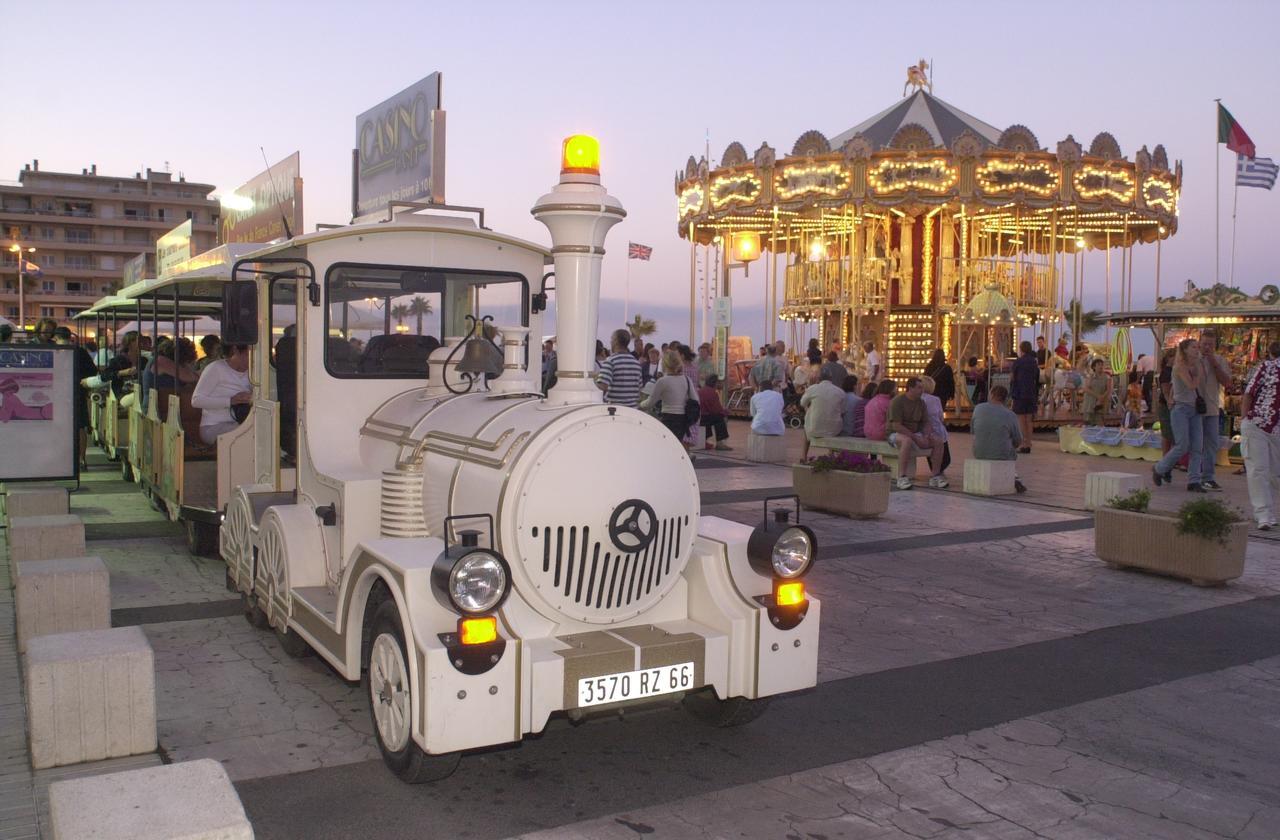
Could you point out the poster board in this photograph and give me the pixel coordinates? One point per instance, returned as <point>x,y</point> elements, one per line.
<point>37,413</point>
<point>399,154</point>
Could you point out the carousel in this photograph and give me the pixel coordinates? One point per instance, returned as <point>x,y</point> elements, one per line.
<point>925,227</point>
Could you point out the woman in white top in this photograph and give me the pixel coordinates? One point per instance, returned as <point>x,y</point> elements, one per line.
<point>673,390</point>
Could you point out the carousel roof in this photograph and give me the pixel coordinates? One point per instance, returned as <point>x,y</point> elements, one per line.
<point>943,121</point>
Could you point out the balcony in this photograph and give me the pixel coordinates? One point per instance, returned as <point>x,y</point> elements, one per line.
<point>835,284</point>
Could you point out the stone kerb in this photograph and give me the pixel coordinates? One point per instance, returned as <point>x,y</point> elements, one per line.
<point>61,596</point>
<point>34,500</point>
<point>90,695</point>
<point>1101,486</point>
<point>989,478</point>
<point>44,538</point>
<point>192,800</point>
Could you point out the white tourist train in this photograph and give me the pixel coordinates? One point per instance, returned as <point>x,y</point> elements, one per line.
<point>482,555</point>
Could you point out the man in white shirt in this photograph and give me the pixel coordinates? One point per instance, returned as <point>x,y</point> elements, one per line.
<point>766,410</point>
<point>222,384</point>
<point>875,370</point>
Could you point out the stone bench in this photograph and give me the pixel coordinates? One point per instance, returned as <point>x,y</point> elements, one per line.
<point>192,800</point>
<point>866,446</point>
<point>61,596</point>
<point>44,538</point>
<point>990,478</point>
<point>1100,487</point>
<point>34,500</point>
<point>766,449</point>
<point>90,695</point>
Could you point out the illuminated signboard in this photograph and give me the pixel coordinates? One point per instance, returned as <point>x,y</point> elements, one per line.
<point>172,248</point>
<point>259,209</point>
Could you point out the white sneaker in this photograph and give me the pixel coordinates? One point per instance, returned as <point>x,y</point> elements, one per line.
<point>939,482</point>
<point>1266,526</point>
<point>905,483</point>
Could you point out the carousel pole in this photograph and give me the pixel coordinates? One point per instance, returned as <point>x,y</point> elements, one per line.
<point>1159,242</point>
<point>1107,331</point>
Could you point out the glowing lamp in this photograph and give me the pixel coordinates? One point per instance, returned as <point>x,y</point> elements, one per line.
<point>789,594</point>
<point>478,631</point>
<point>746,246</point>
<point>817,251</point>
<point>580,155</point>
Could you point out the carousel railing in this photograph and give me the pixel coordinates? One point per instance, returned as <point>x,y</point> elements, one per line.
<point>1029,287</point>
<point>836,283</point>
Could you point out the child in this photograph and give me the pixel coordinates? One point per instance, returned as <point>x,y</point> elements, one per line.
<point>1097,393</point>
<point>1133,403</point>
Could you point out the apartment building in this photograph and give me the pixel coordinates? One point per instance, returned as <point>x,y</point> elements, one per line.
<point>84,228</point>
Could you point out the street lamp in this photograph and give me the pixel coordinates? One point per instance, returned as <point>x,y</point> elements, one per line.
<point>22,297</point>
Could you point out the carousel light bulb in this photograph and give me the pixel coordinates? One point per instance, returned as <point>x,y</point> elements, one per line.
<point>817,250</point>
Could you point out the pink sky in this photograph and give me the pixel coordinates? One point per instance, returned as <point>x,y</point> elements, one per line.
<point>127,86</point>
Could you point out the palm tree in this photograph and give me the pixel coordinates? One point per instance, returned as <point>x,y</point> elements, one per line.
<point>400,312</point>
<point>1087,320</point>
<point>641,327</point>
<point>419,306</point>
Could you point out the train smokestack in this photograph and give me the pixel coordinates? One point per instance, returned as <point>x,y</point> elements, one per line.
<point>579,213</point>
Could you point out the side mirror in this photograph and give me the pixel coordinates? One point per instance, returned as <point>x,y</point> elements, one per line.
<point>240,312</point>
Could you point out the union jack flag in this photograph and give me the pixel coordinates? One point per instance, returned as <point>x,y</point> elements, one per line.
<point>636,251</point>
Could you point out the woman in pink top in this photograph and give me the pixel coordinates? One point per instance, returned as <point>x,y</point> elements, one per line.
<point>876,420</point>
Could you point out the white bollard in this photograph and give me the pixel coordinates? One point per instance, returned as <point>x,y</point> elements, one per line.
<point>34,500</point>
<point>989,478</point>
<point>44,538</point>
<point>90,695</point>
<point>61,596</point>
<point>1099,487</point>
<point>767,449</point>
<point>192,800</point>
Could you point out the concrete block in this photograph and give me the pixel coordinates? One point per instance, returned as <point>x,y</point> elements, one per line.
<point>192,800</point>
<point>769,449</point>
<point>44,538</point>
<point>1101,486</point>
<point>90,695</point>
<point>61,596</point>
<point>35,500</point>
<point>989,478</point>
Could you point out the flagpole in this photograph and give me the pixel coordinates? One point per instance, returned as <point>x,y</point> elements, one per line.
<point>1235,202</point>
<point>626,289</point>
<point>1217,196</point>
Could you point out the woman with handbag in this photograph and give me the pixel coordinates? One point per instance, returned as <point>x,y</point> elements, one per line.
<point>1184,417</point>
<point>673,393</point>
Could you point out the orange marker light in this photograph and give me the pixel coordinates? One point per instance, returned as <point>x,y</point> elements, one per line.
<point>478,631</point>
<point>580,155</point>
<point>790,594</point>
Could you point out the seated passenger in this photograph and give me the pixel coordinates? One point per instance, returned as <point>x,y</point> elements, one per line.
<point>163,373</point>
<point>223,385</point>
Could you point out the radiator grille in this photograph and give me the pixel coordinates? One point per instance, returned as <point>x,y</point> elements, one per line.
<point>597,576</point>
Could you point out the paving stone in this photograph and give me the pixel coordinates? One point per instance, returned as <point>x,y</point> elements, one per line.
<point>61,596</point>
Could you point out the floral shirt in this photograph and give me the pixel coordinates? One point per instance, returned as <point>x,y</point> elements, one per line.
<point>1261,388</point>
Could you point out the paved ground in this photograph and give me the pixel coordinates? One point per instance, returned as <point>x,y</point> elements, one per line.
<point>981,675</point>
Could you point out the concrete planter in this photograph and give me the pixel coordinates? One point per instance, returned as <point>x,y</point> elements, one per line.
<point>1151,541</point>
<point>859,495</point>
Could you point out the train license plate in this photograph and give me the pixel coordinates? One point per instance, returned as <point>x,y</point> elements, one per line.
<point>635,685</point>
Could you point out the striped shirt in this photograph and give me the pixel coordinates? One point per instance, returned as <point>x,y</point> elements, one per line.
<point>621,376</point>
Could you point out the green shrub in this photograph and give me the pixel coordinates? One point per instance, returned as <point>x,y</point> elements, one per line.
<point>1136,501</point>
<point>1208,519</point>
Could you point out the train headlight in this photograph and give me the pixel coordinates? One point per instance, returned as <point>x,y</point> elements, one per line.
<point>471,580</point>
<point>781,549</point>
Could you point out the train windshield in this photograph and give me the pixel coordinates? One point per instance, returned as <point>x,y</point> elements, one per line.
<point>384,321</point>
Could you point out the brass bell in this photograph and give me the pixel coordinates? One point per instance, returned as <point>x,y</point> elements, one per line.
<point>480,357</point>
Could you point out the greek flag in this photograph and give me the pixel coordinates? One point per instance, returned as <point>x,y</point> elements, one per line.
<point>1259,172</point>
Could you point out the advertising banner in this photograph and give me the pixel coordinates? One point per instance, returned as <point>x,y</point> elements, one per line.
<point>135,270</point>
<point>399,154</point>
<point>259,209</point>
<point>37,413</point>
<point>173,248</point>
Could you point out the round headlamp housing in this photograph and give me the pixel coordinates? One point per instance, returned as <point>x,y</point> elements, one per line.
<point>782,550</point>
<point>473,581</point>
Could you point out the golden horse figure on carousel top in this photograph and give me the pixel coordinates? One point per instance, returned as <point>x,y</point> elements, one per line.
<point>918,77</point>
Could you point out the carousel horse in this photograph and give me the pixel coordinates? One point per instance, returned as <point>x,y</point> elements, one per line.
<point>918,77</point>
